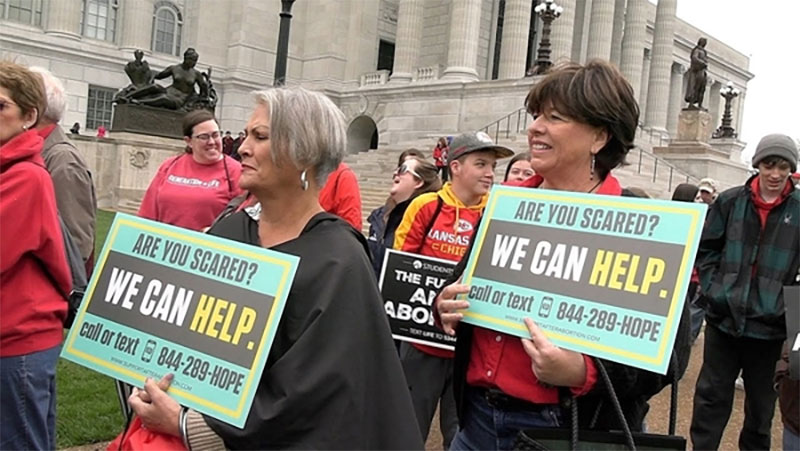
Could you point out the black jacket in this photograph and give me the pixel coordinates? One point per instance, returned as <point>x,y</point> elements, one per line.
<point>332,378</point>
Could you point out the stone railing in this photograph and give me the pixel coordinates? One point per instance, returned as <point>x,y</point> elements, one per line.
<point>427,73</point>
<point>376,78</point>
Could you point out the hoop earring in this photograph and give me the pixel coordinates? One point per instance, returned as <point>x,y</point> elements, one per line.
<point>303,180</point>
<point>591,169</point>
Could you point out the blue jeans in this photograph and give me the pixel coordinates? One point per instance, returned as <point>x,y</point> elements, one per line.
<point>486,427</point>
<point>791,441</point>
<point>28,407</point>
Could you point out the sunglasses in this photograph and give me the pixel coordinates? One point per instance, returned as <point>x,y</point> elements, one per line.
<point>403,168</point>
<point>5,103</point>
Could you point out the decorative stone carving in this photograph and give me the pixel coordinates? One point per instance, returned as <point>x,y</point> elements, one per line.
<point>139,158</point>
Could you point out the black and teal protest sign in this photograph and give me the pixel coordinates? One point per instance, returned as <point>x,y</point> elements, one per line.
<point>409,283</point>
<point>168,300</point>
<point>601,275</point>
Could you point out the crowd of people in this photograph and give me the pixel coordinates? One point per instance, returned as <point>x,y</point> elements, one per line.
<point>334,378</point>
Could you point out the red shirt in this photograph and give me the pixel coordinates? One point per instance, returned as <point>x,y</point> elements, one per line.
<point>34,275</point>
<point>498,360</point>
<point>340,196</point>
<point>188,194</point>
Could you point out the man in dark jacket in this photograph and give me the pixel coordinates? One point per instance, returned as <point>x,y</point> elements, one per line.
<point>750,249</point>
<point>72,180</point>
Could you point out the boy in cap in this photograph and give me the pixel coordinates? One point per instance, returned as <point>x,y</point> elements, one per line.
<point>750,249</point>
<point>440,225</point>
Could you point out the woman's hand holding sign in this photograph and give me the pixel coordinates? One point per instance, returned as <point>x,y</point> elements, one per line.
<point>551,364</point>
<point>157,410</point>
<point>447,306</point>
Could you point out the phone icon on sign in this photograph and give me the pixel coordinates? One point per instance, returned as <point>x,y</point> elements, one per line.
<point>149,349</point>
<point>544,309</point>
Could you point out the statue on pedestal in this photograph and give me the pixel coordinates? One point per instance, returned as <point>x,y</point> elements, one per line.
<point>696,88</point>
<point>180,95</point>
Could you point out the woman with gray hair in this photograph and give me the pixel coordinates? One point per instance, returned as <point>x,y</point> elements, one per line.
<point>332,378</point>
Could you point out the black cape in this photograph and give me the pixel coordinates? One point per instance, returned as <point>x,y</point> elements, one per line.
<point>332,378</point>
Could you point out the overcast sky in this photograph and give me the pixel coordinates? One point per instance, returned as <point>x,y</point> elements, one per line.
<point>769,32</point>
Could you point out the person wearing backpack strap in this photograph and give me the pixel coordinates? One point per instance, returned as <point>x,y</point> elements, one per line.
<point>440,225</point>
<point>33,269</point>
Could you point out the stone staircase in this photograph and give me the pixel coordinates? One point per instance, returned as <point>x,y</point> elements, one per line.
<point>374,170</point>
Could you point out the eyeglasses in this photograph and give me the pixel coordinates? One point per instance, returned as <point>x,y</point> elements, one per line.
<point>5,103</point>
<point>403,168</point>
<point>205,137</point>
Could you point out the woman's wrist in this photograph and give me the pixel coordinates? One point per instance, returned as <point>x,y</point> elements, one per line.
<point>182,427</point>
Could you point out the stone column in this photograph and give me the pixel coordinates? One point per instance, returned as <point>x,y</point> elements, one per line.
<point>658,92</point>
<point>632,44</point>
<point>137,25</point>
<point>516,26</point>
<point>600,30</point>
<point>64,19</point>
<point>409,37</point>
<point>462,52</point>
<point>675,99</point>
<point>616,35</point>
<point>715,103</point>
<point>643,82</point>
<point>739,112</point>
<point>561,37</point>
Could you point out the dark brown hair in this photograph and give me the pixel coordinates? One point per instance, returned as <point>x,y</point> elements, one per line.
<point>410,152</point>
<point>520,156</point>
<point>685,192</point>
<point>595,94</point>
<point>430,177</point>
<point>191,119</point>
<point>25,88</point>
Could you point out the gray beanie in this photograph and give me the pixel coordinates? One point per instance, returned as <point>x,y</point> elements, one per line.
<point>776,145</point>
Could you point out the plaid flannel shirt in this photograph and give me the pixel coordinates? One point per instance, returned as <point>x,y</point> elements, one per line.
<point>743,269</point>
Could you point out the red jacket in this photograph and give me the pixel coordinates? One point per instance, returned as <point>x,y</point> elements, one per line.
<point>340,196</point>
<point>34,275</point>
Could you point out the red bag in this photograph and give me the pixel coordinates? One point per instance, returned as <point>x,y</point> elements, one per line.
<point>138,438</point>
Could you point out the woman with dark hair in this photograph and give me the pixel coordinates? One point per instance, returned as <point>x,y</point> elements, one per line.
<point>191,189</point>
<point>685,192</point>
<point>34,275</point>
<point>519,168</point>
<point>584,124</point>
<point>411,178</point>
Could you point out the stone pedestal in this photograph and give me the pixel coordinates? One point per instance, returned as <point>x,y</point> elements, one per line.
<point>720,160</point>
<point>730,146</point>
<point>145,120</point>
<point>124,164</point>
<point>694,125</point>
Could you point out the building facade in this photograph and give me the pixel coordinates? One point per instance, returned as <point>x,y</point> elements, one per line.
<point>401,70</point>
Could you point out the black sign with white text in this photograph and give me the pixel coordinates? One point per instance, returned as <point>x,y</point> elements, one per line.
<point>409,284</point>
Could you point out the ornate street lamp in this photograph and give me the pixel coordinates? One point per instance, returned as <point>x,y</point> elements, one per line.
<point>548,10</point>
<point>283,43</point>
<point>725,130</point>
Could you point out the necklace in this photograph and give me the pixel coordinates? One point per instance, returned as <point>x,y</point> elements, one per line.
<point>595,186</point>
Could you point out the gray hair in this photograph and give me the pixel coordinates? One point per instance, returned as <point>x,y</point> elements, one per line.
<point>56,99</point>
<point>306,127</point>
